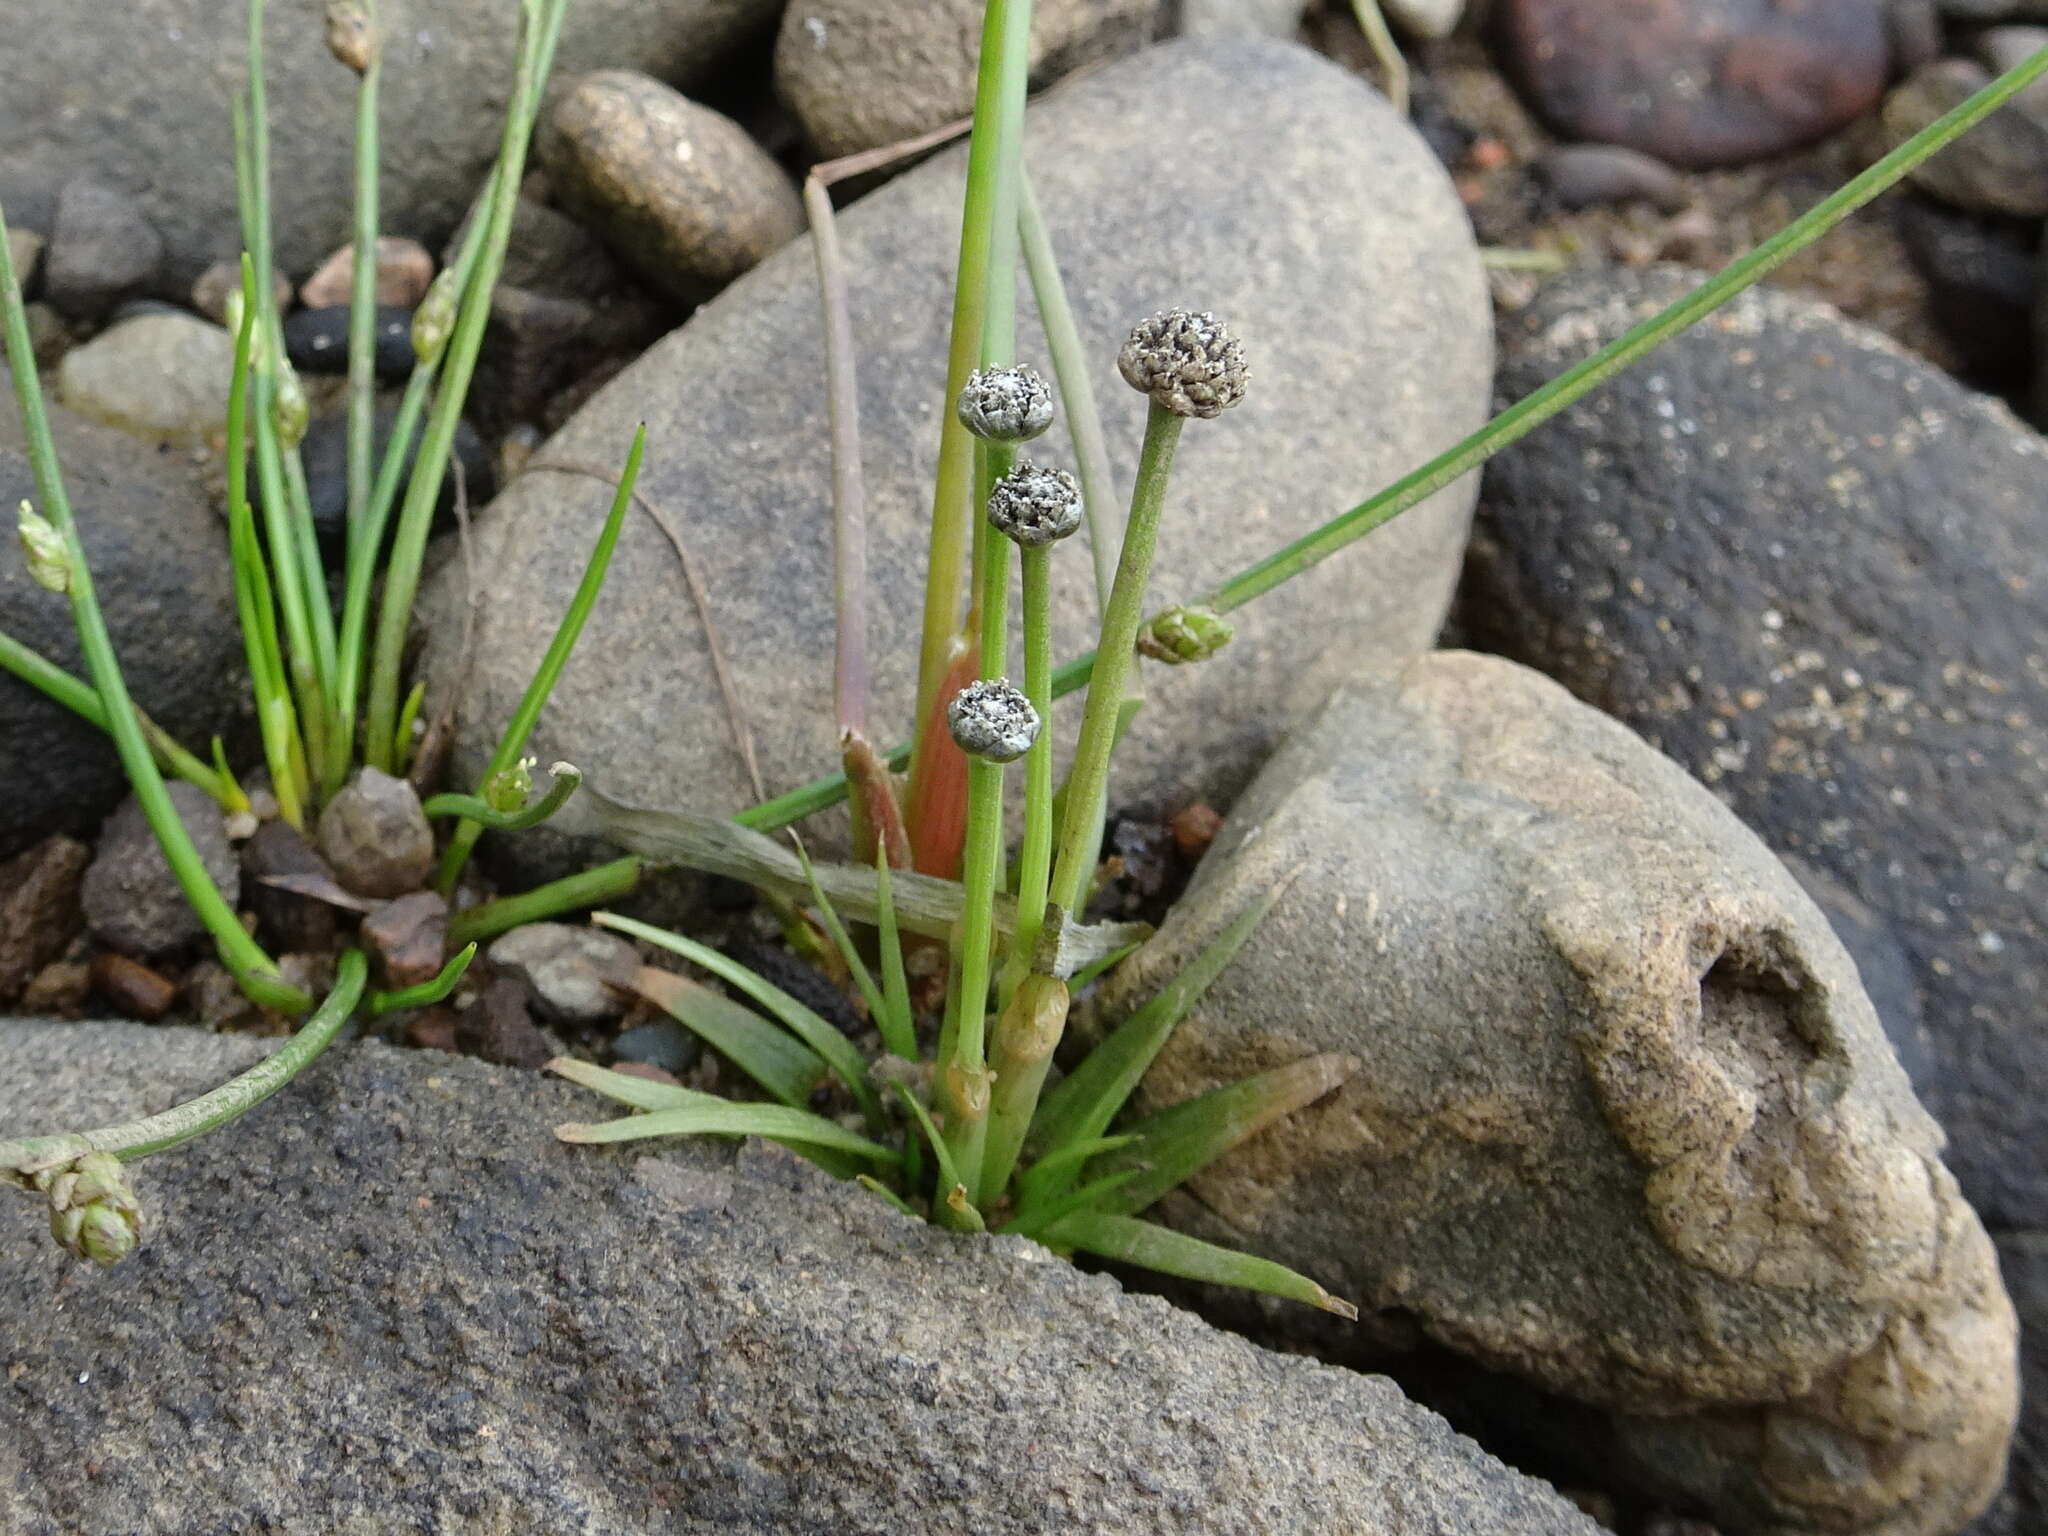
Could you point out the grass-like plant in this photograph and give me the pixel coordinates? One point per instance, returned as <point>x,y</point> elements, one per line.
<point>967,1131</point>
<point>326,687</point>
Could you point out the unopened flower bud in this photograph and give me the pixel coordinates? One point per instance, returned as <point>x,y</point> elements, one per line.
<point>49,557</point>
<point>233,310</point>
<point>1190,364</point>
<point>93,1210</point>
<point>990,719</point>
<point>290,411</point>
<point>434,321</point>
<point>1185,634</point>
<point>507,790</point>
<point>1006,405</point>
<point>1035,504</point>
<point>351,36</point>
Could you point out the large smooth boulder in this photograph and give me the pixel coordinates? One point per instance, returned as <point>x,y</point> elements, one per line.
<point>1813,569</point>
<point>1626,1125</point>
<point>1250,178</point>
<point>139,97</point>
<point>159,563</point>
<point>389,1300</point>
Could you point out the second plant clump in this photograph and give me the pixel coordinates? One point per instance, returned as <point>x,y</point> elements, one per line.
<point>976,1142</point>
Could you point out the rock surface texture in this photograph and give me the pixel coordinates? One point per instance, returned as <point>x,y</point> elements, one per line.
<point>1308,216</point>
<point>862,73</point>
<point>1627,1126</point>
<point>388,1300</point>
<point>139,98</point>
<point>1814,570</point>
<point>158,560</point>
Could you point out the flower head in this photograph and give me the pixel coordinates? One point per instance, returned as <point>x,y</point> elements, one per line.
<point>1185,634</point>
<point>1006,405</point>
<point>1190,364</point>
<point>93,1211</point>
<point>990,719</point>
<point>1034,504</point>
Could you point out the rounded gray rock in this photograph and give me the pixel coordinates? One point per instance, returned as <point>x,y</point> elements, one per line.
<point>576,974</point>
<point>1309,214</point>
<point>132,900</point>
<point>1627,1126</point>
<point>680,191</point>
<point>163,375</point>
<point>102,249</point>
<point>862,73</point>
<point>139,98</point>
<point>394,1302</point>
<point>374,836</point>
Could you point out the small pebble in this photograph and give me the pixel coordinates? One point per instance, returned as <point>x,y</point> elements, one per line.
<point>374,836</point>
<point>497,1028</point>
<point>316,340</point>
<point>218,1002</point>
<point>1582,175</point>
<point>102,249</point>
<point>132,901</point>
<point>432,1029</point>
<point>159,373</point>
<point>211,288</point>
<point>285,918</point>
<point>404,269</point>
<point>407,939</point>
<point>576,975</point>
<point>663,1045</point>
<point>131,988</point>
<point>59,988</point>
<point>39,911</point>
<point>1998,167</point>
<point>1194,828</point>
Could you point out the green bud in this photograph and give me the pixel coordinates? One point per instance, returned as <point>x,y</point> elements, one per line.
<point>93,1210</point>
<point>232,312</point>
<point>1185,634</point>
<point>351,36</point>
<point>49,557</point>
<point>434,321</point>
<point>508,789</point>
<point>289,408</point>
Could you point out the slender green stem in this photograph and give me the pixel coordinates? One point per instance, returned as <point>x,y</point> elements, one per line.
<point>1035,860</point>
<point>362,315</point>
<point>1385,51</point>
<point>519,729</point>
<point>239,952</point>
<point>1088,779</point>
<point>999,94</point>
<point>1077,393</point>
<point>850,672</point>
<point>1521,419</point>
<point>427,993</point>
<point>565,775</point>
<point>574,893</point>
<point>415,519</point>
<point>209,1112</point>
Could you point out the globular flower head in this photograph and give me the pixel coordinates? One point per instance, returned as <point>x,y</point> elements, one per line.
<point>1190,364</point>
<point>1035,505</point>
<point>434,321</point>
<point>1006,405</point>
<point>93,1211</point>
<point>1185,634</point>
<point>990,719</point>
<point>49,557</point>
<point>508,789</point>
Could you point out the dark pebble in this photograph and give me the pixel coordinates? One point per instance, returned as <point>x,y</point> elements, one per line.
<point>39,911</point>
<point>286,919</point>
<point>498,1028</point>
<point>316,340</point>
<point>1709,83</point>
<point>1980,273</point>
<point>664,1044</point>
<point>407,939</point>
<point>1581,175</point>
<point>325,456</point>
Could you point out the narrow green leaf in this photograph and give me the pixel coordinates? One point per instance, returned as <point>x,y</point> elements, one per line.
<point>1037,1183</point>
<point>856,967</point>
<point>875,1186</point>
<point>898,1025</point>
<point>1083,1104</point>
<point>639,1092</point>
<point>786,1068</point>
<point>1033,1219</point>
<point>950,1182</point>
<point>1179,1142</point>
<point>824,1041</point>
<point>721,1117</point>
<point>1127,1240</point>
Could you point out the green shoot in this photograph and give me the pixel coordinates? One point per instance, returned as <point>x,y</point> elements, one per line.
<point>1126,1240</point>
<point>798,1129</point>
<point>784,1067</point>
<point>572,893</point>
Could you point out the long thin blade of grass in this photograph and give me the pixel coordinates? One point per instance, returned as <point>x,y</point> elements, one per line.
<point>635,1092</point>
<point>1126,1240</point>
<point>784,1066</point>
<point>796,1128</point>
<point>822,1040</point>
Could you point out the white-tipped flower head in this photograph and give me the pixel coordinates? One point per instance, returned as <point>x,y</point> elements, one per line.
<point>1034,504</point>
<point>93,1211</point>
<point>508,789</point>
<point>1185,634</point>
<point>990,719</point>
<point>290,411</point>
<point>1190,364</point>
<point>1006,405</point>
<point>49,558</point>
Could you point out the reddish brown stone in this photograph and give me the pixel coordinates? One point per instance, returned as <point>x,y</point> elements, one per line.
<point>1194,828</point>
<point>1697,83</point>
<point>131,988</point>
<point>407,939</point>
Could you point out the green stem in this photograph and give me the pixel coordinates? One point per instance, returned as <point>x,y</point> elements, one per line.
<point>1088,779</point>
<point>520,727</point>
<point>209,1112</point>
<point>1035,860</point>
<point>415,519</point>
<point>484,814</point>
<point>575,893</point>
<point>1385,51</point>
<point>362,315</point>
<point>239,952</point>
<point>427,993</point>
<point>1077,393</point>
<point>1521,419</point>
<point>998,104</point>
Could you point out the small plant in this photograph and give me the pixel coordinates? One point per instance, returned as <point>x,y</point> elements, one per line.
<point>326,693</point>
